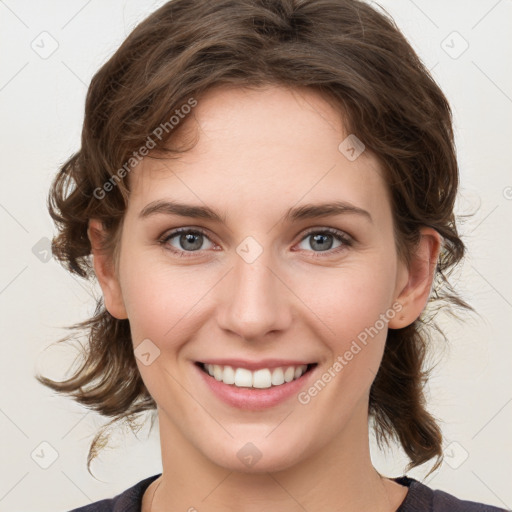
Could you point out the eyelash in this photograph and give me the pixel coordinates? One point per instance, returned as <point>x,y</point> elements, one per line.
<point>338,235</point>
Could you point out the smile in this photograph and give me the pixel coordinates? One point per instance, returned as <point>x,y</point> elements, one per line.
<point>259,379</point>
<point>264,386</point>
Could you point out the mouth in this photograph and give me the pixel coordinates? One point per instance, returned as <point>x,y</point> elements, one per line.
<point>259,379</point>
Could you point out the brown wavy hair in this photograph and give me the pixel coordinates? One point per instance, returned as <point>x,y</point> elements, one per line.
<point>345,50</point>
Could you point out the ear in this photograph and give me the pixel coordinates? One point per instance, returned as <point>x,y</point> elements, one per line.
<point>415,281</point>
<point>105,271</point>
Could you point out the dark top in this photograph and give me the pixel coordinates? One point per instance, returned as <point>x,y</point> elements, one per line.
<point>420,498</point>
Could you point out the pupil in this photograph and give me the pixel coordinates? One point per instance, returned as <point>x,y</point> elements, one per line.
<point>189,238</point>
<point>321,240</point>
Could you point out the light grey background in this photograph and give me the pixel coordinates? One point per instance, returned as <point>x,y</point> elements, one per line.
<point>49,51</point>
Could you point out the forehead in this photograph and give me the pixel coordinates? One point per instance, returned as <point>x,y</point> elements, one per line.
<point>262,149</point>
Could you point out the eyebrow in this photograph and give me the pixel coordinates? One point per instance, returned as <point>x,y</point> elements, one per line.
<point>308,211</point>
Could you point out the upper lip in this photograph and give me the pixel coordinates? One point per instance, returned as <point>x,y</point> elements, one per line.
<point>256,365</point>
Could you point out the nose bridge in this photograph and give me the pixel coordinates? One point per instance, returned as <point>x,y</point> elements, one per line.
<point>256,301</point>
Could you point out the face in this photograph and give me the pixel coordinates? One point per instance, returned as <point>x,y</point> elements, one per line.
<point>271,283</point>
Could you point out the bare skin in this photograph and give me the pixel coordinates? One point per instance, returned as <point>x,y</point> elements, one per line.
<point>259,153</point>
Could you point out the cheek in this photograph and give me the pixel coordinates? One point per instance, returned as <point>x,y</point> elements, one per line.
<point>159,298</point>
<point>351,300</point>
<point>355,303</point>
<point>162,303</point>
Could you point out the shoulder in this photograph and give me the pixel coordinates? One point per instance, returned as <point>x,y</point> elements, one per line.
<point>129,500</point>
<point>422,498</point>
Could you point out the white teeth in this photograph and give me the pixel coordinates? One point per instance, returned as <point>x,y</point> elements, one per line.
<point>263,378</point>
<point>217,372</point>
<point>243,378</point>
<point>289,374</point>
<point>229,375</point>
<point>278,377</point>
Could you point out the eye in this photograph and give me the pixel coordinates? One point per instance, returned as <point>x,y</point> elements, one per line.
<point>186,240</point>
<point>322,241</point>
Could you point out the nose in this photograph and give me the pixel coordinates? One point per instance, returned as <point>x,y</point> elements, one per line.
<point>256,300</point>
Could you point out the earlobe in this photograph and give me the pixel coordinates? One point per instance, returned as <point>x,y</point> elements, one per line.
<point>415,282</point>
<point>105,271</point>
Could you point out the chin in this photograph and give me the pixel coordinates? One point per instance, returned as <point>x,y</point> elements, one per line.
<point>256,457</point>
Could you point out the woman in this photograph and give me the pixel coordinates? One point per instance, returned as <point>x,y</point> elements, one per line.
<point>267,190</point>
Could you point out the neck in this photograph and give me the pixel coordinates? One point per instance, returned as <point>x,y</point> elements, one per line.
<point>338,476</point>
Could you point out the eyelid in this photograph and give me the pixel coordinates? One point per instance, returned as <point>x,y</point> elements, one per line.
<point>333,231</point>
<point>186,229</point>
<point>346,239</point>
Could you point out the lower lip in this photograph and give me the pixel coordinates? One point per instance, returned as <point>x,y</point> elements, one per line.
<point>254,399</point>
